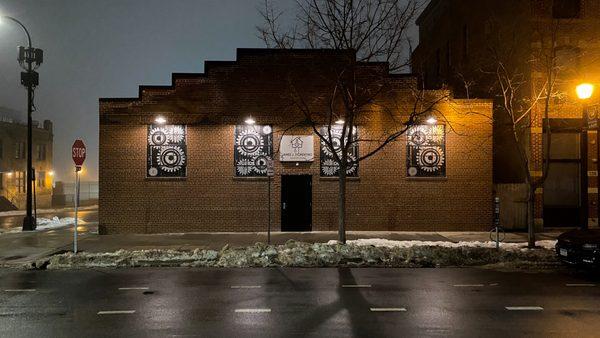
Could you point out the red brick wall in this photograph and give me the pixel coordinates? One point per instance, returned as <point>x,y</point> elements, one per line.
<point>211,199</point>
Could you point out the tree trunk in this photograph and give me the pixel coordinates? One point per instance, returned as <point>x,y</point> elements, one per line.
<point>342,205</point>
<point>531,218</point>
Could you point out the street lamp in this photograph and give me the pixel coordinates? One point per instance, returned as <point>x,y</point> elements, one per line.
<point>30,79</point>
<point>584,93</point>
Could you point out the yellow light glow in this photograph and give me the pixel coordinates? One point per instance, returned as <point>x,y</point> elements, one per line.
<point>160,120</point>
<point>340,121</point>
<point>250,121</point>
<point>9,173</point>
<point>585,91</point>
<point>51,173</point>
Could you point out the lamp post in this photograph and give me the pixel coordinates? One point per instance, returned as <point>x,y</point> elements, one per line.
<point>584,93</point>
<point>30,79</point>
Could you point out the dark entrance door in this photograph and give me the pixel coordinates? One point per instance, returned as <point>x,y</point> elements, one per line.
<point>565,188</point>
<point>296,203</point>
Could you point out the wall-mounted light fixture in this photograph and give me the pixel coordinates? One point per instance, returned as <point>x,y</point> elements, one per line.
<point>250,120</point>
<point>160,120</point>
<point>432,120</point>
<point>339,122</point>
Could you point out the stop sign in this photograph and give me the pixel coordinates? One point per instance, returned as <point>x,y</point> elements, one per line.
<point>78,153</point>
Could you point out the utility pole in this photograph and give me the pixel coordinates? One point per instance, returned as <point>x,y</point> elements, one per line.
<point>30,79</point>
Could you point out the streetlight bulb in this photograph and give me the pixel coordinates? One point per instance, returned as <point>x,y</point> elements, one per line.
<point>340,121</point>
<point>585,91</point>
<point>51,173</point>
<point>250,121</point>
<point>160,120</point>
<point>432,120</point>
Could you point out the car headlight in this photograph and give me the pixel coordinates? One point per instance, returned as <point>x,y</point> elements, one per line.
<point>590,246</point>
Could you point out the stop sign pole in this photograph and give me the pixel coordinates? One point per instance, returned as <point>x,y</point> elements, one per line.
<point>78,152</point>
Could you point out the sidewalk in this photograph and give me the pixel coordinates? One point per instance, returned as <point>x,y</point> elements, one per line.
<point>18,249</point>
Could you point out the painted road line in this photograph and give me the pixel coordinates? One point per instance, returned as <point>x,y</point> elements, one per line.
<point>134,288</point>
<point>252,310</point>
<point>494,284</point>
<point>388,309</point>
<point>246,286</point>
<point>468,285</point>
<point>116,312</point>
<point>524,308</point>
<point>356,285</point>
<point>581,284</point>
<point>20,290</point>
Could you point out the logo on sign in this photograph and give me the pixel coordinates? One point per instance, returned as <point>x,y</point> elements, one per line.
<point>296,148</point>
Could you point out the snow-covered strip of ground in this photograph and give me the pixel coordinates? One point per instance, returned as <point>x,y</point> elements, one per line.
<point>546,244</point>
<point>45,224</point>
<point>54,222</point>
<point>46,211</point>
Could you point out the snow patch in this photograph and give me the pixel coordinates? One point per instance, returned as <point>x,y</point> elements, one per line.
<point>381,242</point>
<point>54,222</point>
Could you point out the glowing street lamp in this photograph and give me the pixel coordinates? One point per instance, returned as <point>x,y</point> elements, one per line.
<point>585,91</point>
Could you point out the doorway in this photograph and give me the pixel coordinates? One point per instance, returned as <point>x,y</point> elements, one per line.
<point>296,203</point>
<point>564,187</point>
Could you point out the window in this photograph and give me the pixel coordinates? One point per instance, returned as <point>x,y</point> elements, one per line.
<point>41,179</point>
<point>41,152</point>
<point>566,9</point>
<point>19,150</point>
<point>20,181</point>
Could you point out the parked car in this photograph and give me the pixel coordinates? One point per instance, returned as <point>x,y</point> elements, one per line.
<point>580,247</point>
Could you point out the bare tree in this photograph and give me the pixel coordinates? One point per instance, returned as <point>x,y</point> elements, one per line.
<point>374,31</point>
<point>521,96</point>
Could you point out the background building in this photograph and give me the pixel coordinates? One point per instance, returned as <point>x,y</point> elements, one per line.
<point>204,170</point>
<point>13,161</point>
<point>457,41</point>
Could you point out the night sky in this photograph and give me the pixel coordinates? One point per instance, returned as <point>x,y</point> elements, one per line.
<point>106,48</point>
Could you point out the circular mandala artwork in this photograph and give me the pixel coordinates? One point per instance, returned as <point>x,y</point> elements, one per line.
<point>418,137</point>
<point>431,158</point>
<point>171,159</point>
<point>249,142</point>
<point>244,167</point>
<point>260,164</point>
<point>176,135</point>
<point>153,171</point>
<point>351,169</point>
<point>330,167</point>
<point>157,137</point>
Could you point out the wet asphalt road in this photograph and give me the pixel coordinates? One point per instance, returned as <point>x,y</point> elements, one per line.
<point>178,302</point>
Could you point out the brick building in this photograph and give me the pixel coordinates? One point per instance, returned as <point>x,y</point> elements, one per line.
<point>181,158</point>
<point>457,40</point>
<point>13,162</point>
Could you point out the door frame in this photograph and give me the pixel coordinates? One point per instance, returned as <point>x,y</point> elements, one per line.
<point>310,209</point>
